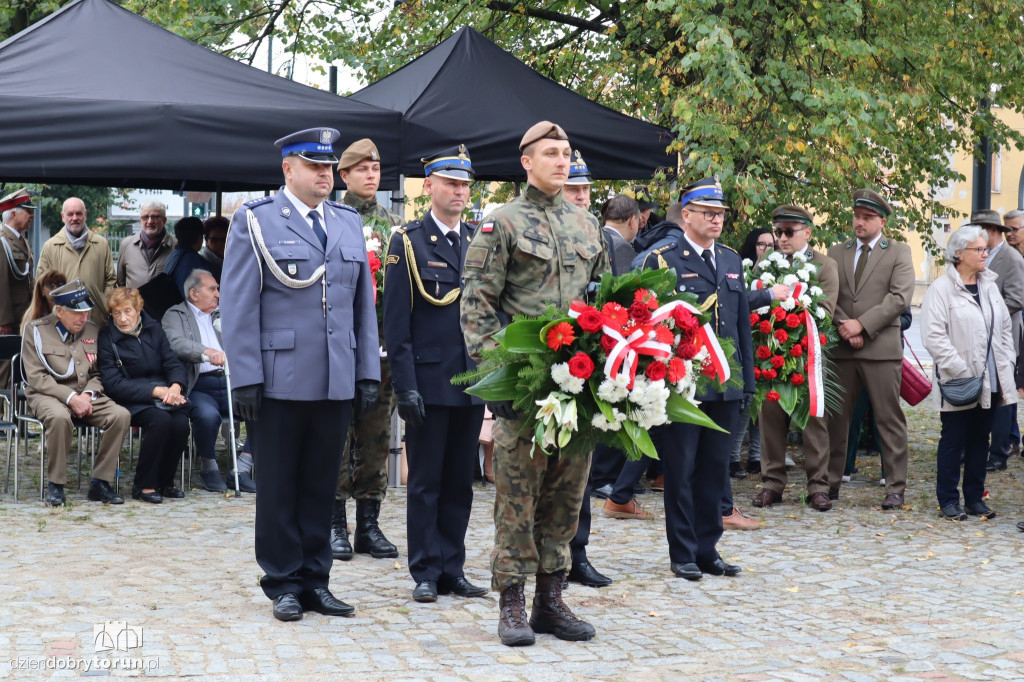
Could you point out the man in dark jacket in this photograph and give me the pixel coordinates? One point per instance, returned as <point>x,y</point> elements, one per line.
<point>185,258</point>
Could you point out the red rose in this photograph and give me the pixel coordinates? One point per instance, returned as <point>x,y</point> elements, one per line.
<point>656,371</point>
<point>822,338</point>
<point>590,320</point>
<point>778,361</point>
<point>770,374</point>
<point>645,297</point>
<point>754,319</point>
<point>765,327</point>
<point>757,372</point>
<point>615,315</point>
<point>797,379</point>
<point>560,335</point>
<point>676,370</point>
<point>640,312</point>
<point>778,312</point>
<point>581,366</point>
<point>763,352</point>
<point>607,343</point>
<point>686,350</point>
<point>796,351</point>
<point>781,335</point>
<point>772,396</point>
<point>686,321</point>
<point>663,334</point>
<point>792,321</point>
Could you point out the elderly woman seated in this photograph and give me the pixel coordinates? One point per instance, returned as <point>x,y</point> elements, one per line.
<point>141,372</point>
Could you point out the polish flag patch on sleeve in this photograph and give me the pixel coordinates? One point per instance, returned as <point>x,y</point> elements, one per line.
<point>487,227</point>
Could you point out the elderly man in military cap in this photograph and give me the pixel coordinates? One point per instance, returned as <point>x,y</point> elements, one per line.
<point>63,383</point>
<point>793,228</point>
<point>365,458</point>
<point>537,250</point>
<point>300,331</point>
<point>577,186</point>
<point>426,349</point>
<point>15,265</point>
<point>876,283</point>
<point>1008,264</point>
<point>695,460</point>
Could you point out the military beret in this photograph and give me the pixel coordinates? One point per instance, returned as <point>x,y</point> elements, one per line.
<point>19,199</point>
<point>793,212</point>
<point>642,196</point>
<point>451,163</point>
<point>357,151</point>
<point>579,174</point>
<point>72,296</point>
<point>539,131</point>
<point>988,218</point>
<point>706,192</point>
<point>315,145</point>
<point>871,200</point>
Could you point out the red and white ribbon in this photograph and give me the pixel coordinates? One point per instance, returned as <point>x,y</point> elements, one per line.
<point>706,337</point>
<point>815,380</point>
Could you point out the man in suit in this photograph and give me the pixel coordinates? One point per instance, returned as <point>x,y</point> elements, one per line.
<point>695,460</point>
<point>300,329</point>
<point>1008,264</point>
<point>426,348</point>
<point>876,282</point>
<point>793,226</point>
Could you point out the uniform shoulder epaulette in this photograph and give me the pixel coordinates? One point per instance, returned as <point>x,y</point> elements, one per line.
<point>662,249</point>
<point>729,248</point>
<point>410,226</point>
<point>338,204</point>
<point>252,203</point>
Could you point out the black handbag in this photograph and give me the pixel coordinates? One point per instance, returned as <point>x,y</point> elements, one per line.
<point>967,390</point>
<point>157,402</point>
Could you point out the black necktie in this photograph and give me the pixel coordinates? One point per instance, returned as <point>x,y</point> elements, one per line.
<point>706,255</point>
<point>456,242</point>
<point>318,228</point>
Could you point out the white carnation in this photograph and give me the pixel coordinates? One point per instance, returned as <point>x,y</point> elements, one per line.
<point>805,300</point>
<point>821,313</point>
<point>599,421</point>
<point>815,291</point>
<point>790,280</point>
<point>611,392</point>
<point>367,231</point>
<point>805,274</point>
<point>566,381</point>
<point>788,304</point>
<point>800,256</point>
<point>747,263</point>
<point>767,278</point>
<point>763,310</point>
<point>775,257</point>
<point>373,244</point>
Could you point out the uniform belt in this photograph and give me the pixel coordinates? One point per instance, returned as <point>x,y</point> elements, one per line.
<point>214,373</point>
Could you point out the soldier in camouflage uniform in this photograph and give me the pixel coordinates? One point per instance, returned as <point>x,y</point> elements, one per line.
<point>364,462</point>
<point>535,251</point>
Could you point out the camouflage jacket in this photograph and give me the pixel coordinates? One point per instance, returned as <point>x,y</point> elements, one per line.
<point>535,251</point>
<point>369,209</point>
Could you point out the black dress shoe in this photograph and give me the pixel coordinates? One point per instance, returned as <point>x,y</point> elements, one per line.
<point>585,574</point>
<point>719,567</point>
<point>425,592</point>
<point>55,495</point>
<point>287,607</point>
<point>153,497</point>
<point>736,470</point>
<point>321,600</point>
<point>460,587</point>
<point>833,494</point>
<point>981,509</point>
<point>1020,526</point>
<point>753,466</point>
<point>604,492</point>
<point>996,464</point>
<point>100,491</point>
<point>954,512</point>
<point>170,492</point>
<point>688,571</point>
<point>245,482</point>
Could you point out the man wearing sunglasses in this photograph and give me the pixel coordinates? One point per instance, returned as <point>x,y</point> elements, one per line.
<point>793,225</point>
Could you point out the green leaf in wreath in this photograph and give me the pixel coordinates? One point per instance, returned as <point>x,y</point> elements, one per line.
<point>523,336</point>
<point>801,413</point>
<point>640,438</point>
<point>498,385</point>
<point>788,395</point>
<point>679,409</point>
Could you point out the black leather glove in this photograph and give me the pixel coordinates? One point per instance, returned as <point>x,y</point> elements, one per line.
<point>246,401</point>
<point>503,409</point>
<point>366,394</point>
<point>410,407</point>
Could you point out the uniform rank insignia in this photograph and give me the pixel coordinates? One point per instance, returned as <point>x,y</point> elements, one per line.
<point>487,227</point>
<point>732,275</point>
<point>286,212</point>
<point>392,260</point>
<point>688,275</point>
<point>436,264</point>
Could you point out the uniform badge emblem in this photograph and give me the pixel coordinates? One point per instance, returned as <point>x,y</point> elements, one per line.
<point>433,238</point>
<point>686,253</point>
<point>286,212</point>
<point>373,156</point>
<point>732,275</point>
<point>293,269</point>
<point>487,227</point>
<point>391,260</point>
<point>325,136</point>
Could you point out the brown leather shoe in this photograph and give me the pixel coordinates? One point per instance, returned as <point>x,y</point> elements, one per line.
<point>819,501</point>
<point>513,628</point>
<point>630,510</point>
<point>737,520</point>
<point>767,498</point>
<point>893,501</point>
<point>658,484</point>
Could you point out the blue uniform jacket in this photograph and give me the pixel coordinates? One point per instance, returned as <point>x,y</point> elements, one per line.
<point>280,337</point>
<point>732,312</point>
<point>425,342</point>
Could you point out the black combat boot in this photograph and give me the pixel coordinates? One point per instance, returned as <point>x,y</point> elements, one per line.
<point>369,538</point>
<point>340,547</point>
<point>512,626</point>
<point>550,614</point>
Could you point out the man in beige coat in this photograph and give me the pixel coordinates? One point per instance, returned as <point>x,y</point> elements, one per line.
<point>876,282</point>
<point>793,225</point>
<point>142,255</point>
<point>80,253</point>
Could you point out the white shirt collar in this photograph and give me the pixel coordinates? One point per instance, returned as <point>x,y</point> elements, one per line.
<point>873,243</point>
<point>700,249</point>
<point>197,312</point>
<point>302,207</point>
<point>444,228</point>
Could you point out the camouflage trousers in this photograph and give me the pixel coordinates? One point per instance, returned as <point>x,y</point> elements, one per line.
<point>536,507</point>
<point>364,463</point>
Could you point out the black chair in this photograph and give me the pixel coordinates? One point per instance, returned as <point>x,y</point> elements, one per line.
<point>10,347</point>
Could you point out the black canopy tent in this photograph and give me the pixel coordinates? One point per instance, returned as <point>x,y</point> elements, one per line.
<point>468,90</point>
<point>96,95</point>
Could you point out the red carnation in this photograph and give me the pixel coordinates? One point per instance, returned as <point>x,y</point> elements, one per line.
<point>607,343</point>
<point>560,335</point>
<point>792,321</point>
<point>769,374</point>
<point>656,371</point>
<point>374,262</point>
<point>708,369</point>
<point>765,327</point>
<point>646,297</point>
<point>754,319</point>
<point>676,370</point>
<point>805,341</point>
<point>797,379</point>
<point>686,321</point>
<point>581,366</point>
<point>763,352</point>
<point>590,320</point>
<point>781,335</point>
<point>757,372</point>
<point>778,361</point>
<point>663,334</point>
<point>615,315</point>
<point>686,350</point>
<point>772,396</point>
<point>640,312</point>
<point>779,312</point>
<point>822,338</point>
<point>796,351</point>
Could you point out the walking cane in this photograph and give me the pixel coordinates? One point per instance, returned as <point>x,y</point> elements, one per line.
<point>231,415</point>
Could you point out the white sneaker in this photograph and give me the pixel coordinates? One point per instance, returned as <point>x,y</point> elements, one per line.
<point>789,462</point>
<point>846,478</point>
<point>881,482</point>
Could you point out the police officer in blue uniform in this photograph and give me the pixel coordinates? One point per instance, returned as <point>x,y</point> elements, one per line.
<point>695,460</point>
<point>423,333</point>
<point>300,334</point>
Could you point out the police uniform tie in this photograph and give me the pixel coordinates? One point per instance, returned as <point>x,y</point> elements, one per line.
<point>706,255</point>
<point>456,242</point>
<point>318,228</point>
<point>861,264</point>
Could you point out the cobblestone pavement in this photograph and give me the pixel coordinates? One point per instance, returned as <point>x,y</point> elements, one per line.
<point>852,594</point>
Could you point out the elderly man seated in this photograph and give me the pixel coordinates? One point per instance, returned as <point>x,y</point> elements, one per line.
<point>59,356</point>
<point>190,329</point>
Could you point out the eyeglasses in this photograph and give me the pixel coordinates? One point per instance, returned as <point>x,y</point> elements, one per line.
<point>788,232</point>
<point>762,245</point>
<point>146,218</point>
<point>710,216</point>
<point>980,250</point>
